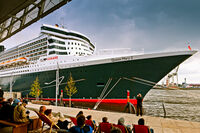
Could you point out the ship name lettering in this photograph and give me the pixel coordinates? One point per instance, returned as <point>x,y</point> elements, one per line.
<point>121,59</point>
<point>52,58</point>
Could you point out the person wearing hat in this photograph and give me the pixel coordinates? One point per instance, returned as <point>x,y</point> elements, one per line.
<point>15,102</point>
<point>20,113</point>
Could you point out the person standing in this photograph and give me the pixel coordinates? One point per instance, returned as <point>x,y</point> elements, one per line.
<point>139,104</point>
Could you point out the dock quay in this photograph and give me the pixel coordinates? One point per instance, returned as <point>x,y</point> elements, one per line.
<point>159,124</point>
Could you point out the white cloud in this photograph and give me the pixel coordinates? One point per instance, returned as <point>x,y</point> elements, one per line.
<point>190,69</point>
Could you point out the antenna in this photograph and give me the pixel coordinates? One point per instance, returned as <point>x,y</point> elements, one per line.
<point>62,22</point>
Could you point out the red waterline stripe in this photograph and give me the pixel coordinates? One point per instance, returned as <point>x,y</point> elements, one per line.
<point>112,101</point>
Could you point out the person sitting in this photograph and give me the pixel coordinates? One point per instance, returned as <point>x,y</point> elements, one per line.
<point>6,110</point>
<point>141,128</point>
<point>115,130</point>
<point>90,122</point>
<point>79,113</point>
<point>42,109</point>
<point>10,100</point>
<point>20,113</point>
<point>121,125</point>
<point>105,126</point>
<point>81,127</point>
<point>16,102</point>
<point>1,94</point>
<point>61,123</point>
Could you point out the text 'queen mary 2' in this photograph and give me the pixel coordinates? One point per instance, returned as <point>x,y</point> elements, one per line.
<point>106,74</point>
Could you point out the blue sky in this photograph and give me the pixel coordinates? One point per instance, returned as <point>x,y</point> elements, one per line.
<point>149,25</point>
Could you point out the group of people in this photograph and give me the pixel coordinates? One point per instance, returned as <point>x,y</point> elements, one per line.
<point>88,125</point>
<point>107,127</point>
<point>58,119</point>
<point>14,111</point>
<point>62,123</point>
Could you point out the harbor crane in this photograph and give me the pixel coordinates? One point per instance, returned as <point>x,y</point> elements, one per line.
<point>172,76</point>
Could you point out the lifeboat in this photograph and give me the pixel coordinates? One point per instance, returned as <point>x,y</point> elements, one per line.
<point>19,60</point>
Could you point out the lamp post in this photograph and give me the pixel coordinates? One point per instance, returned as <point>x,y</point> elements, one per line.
<point>57,83</point>
<point>11,85</point>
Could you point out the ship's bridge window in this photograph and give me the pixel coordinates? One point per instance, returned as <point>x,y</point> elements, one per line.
<point>57,47</point>
<point>56,41</point>
<point>58,53</point>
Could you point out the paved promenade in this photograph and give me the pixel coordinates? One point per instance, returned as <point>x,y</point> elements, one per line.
<point>160,125</point>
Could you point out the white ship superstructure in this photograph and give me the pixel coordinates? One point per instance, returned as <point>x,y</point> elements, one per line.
<point>53,43</point>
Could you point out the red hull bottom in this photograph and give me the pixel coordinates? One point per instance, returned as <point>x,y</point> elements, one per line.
<point>118,105</point>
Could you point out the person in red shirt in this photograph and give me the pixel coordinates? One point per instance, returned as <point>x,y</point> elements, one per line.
<point>141,128</point>
<point>90,122</point>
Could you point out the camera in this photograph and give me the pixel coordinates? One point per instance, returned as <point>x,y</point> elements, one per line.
<point>27,112</point>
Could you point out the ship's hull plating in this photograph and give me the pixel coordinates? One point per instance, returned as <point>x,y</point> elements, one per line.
<point>93,78</point>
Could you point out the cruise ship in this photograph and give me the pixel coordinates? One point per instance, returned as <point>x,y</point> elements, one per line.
<point>100,77</point>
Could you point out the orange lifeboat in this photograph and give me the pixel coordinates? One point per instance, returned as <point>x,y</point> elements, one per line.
<point>14,61</point>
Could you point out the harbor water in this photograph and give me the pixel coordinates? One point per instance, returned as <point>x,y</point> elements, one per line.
<point>179,104</point>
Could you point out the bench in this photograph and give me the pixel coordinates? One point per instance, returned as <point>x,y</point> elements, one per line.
<point>23,127</point>
<point>17,127</point>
